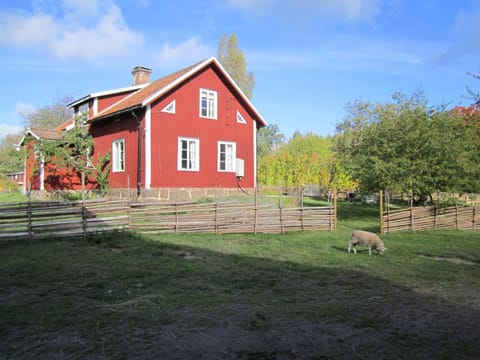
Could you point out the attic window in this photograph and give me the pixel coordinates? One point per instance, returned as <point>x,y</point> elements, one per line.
<point>240,118</point>
<point>170,108</point>
<point>208,104</point>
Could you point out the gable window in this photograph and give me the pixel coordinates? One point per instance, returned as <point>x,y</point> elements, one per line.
<point>240,118</point>
<point>188,154</point>
<point>208,104</point>
<point>118,155</point>
<point>226,156</point>
<point>170,108</point>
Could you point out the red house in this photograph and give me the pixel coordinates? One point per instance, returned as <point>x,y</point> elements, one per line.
<point>189,134</point>
<point>41,175</point>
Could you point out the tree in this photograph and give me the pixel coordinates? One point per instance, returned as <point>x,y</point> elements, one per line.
<point>74,153</point>
<point>49,116</point>
<point>305,159</point>
<point>408,146</point>
<point>232,59</point>
<point>11,160</point>
<point>269,138</point>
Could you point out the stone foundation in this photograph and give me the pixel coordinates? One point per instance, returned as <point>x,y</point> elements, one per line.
<point>176,194</point>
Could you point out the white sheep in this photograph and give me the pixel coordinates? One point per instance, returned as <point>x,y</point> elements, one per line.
<point>360,237</point>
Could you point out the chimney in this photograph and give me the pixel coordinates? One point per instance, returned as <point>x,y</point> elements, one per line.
<point>141,75</point>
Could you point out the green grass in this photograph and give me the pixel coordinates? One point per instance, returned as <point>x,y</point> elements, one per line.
<point>12,197</point>
<point>297,295</point>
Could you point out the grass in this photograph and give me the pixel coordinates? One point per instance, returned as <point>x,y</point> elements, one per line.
<point>295,296</point>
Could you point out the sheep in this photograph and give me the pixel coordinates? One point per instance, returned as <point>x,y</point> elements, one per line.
<point>360,237</point>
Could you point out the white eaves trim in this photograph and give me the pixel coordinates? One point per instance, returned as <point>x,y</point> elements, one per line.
<point>105,93</point>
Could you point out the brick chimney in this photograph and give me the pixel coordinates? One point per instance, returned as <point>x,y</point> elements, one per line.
<point>141,75</point>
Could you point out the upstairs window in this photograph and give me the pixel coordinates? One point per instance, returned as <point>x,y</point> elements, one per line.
<point>118,155</point>
<point>83,109</point>
<point>188,154</point>
<point>208,104</point>
<point>226,156</point>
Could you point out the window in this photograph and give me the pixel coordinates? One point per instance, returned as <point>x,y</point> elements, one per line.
<point>118,155</point>
<point>240,118</point>
<point>188,154</point>
<point>170,108</point>
<point>226,156</point>
<point>208,104</point>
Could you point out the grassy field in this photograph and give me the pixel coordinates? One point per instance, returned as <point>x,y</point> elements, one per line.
<point>292,296</point>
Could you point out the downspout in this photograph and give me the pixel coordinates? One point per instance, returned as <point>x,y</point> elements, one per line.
<point>139,153</point>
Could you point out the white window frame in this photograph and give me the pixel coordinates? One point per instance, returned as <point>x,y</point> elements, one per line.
<point>240,118</point>
<point>188,158</point>
<point>118,155</point>
<point>208,104</point>
<point>171,108</point>
<point>226,155</point>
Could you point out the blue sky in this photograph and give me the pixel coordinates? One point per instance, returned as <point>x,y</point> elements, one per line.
<point>309,57</point>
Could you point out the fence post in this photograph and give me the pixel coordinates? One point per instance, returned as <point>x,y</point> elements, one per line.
<point>216,217</point>
<point>381,212</point>
<point>29,212</point>
<point>301,214</point>
<point>176,212</point>
<point>475,215</point>
<point>334,209</point>
<point>411,211</point>
<point>256,211</point>
<point>457,222</point>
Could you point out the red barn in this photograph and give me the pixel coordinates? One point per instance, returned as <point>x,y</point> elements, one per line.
<point>189,134</point>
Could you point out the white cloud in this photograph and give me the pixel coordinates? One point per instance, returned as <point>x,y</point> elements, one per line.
<point>83,30</point>
<point>7,129</point>
<point>191,50</point>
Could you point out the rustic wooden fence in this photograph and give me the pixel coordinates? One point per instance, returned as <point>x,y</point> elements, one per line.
<point>430,218</point>
<point>34,220</point>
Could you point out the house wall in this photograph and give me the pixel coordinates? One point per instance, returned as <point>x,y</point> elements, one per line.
<point>166,128</point>
<point>106,101</point>
<point>104,133</point>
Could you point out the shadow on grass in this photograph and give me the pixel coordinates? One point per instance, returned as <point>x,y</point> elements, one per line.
<point>126,296</point>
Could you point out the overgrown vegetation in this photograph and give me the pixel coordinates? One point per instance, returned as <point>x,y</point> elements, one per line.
<point>243,296</point>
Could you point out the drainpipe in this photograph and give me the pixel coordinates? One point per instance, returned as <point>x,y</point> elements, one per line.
<point>139,153</point>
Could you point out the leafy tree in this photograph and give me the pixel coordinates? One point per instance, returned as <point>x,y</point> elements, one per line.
<point>408,146</point>
<point>231,57</point>
<point>74,153</point>
<point>269,138</point>
<point>305,159</point>
<point>11,160</point>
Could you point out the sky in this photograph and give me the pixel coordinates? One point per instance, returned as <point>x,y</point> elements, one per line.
<point>310,58</point>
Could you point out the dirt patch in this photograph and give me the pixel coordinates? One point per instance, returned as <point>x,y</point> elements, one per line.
<point>452,260</point>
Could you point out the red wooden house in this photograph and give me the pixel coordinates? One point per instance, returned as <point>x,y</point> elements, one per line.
<point>40,175</point>
<point>189,134</point>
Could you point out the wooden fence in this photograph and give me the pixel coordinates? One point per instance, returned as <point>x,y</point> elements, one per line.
<point>432,217</point>
<point>34,220</point>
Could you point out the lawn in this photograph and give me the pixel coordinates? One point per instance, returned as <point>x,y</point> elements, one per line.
<point>291,296</point>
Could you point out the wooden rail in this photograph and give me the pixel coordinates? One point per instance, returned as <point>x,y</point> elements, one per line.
<point>432,217</point>
<point>35,220</point>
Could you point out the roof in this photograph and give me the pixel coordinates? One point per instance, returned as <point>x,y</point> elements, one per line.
<point>105,93</point>
<point>160,87</point>
<point>41,134</point>
<point>67,125</point>
<point>45,134</point>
